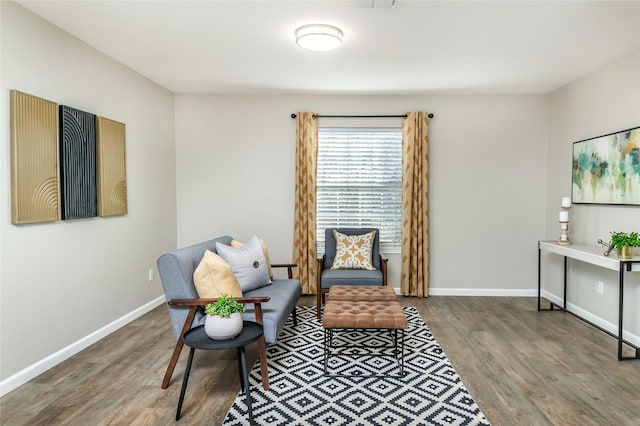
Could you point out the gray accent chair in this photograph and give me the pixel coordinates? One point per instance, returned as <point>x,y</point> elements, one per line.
<point>328,277</point>
<point>269,306</point>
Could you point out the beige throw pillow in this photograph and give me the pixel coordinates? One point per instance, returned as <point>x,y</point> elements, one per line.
<point>238,244</point>
<point>214,277</point>
<point>354,251</point>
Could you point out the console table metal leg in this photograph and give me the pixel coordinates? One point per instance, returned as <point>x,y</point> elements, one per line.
<point>551,304</point>
<point>564,302</point>
<point>621,341</point>
<point>539,278</point>
<point>620,312</point>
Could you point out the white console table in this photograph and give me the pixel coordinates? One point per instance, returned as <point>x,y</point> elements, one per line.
<point>593,255</point>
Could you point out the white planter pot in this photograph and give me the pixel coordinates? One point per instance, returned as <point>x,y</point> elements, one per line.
<point>219,328</point>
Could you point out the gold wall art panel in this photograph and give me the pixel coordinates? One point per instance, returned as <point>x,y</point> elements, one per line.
<point>35,188</point>
<point>112,174</point>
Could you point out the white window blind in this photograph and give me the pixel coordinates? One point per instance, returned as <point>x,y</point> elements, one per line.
<point>359,182</point>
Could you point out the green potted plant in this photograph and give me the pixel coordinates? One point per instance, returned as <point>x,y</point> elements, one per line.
<point>223,319</point>
<point>624,242</point>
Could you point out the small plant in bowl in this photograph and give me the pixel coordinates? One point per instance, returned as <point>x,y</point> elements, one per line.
<point>224,306</point>
<point>624,243</point>
<point>223,320</point>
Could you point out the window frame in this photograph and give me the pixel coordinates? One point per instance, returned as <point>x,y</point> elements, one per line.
<point>393,246</point>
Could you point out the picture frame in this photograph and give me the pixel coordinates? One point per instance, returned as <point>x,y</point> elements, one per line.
<point>606,169</point>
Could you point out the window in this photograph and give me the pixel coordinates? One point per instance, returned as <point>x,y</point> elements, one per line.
<point>359,182</point>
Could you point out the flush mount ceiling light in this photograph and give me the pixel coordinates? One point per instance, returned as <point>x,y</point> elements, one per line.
<point>318,37</point>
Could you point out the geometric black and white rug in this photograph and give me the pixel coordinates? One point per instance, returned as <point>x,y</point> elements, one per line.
<point>431,392</point>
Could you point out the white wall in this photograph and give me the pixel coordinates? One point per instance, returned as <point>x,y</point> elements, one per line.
<point>600,103</point>
<point>62,281</point>
<point>236,162</point>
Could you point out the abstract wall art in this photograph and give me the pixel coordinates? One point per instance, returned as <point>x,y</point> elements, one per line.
<point>112,176</point>
<point>34,159</point>
<point>606,169</point>
<point>65,163</point>
<point>77,163</point>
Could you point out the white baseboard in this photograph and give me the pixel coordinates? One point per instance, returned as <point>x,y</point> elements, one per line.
<point>600,322</point>
<point>34,370</point>
<point>495,292</point>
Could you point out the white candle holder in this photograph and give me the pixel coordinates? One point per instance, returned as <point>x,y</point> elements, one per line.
<point>564,222</point>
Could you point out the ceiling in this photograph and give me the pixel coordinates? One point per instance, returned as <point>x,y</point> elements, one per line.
<point>416,47</point>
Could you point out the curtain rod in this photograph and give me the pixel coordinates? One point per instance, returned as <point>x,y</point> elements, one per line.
<point>430,115</point>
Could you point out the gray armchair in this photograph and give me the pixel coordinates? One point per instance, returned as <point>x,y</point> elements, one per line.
<point>328,277</point>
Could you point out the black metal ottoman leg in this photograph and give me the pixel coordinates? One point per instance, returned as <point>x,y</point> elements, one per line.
<point>325,350</point>
<point>245,379</point>
<point>402,335</point>
<point>184,382</point>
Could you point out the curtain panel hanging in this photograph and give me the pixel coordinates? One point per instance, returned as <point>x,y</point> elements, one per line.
<point>414,279</point>
<point>304,227</point>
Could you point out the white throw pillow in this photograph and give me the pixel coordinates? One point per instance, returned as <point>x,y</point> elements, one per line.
<point>248,264</point>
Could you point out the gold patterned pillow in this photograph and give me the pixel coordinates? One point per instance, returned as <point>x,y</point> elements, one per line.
<point>354,251</point>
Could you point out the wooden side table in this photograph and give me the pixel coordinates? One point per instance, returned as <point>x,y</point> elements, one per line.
<point>197,339</point>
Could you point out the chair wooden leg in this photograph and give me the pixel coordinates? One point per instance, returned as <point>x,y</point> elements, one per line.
<point>262,354</point>
<point>172,363</point>
<point>262,349</point>
<point>178,348</point>
<point>318,302</point>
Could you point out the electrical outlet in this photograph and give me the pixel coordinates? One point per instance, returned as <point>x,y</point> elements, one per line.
<point>600,287</point>
<point>151,274</point>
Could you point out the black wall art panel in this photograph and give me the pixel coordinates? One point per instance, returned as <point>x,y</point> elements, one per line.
<point>78,163</point>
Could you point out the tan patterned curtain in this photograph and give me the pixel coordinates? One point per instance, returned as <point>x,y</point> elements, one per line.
<point>304,227</point>
<point>414,279</point>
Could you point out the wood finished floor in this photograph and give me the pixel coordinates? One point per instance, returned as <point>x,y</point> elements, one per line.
<point>522,367</point>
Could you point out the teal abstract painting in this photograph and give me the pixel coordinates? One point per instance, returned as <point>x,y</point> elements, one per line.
<point>606,169</point>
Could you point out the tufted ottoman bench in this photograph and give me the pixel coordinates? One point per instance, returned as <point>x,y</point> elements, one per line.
<point>368,309</point>
<point>353,293</point>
